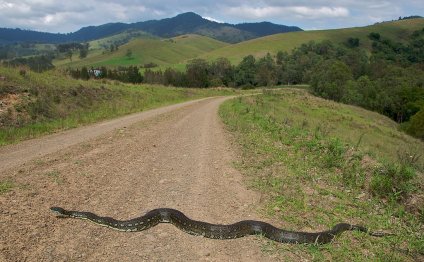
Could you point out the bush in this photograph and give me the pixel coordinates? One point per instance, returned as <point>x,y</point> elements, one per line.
<point>335,151</point>
<point>392,181</point>
<point>329,78</point>
<point>416,125</point>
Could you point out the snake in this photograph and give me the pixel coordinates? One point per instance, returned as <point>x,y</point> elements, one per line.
<point>214,231</point>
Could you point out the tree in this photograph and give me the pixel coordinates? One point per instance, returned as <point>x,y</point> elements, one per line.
<point>352,42</point>
<point>134,75</point>
<point>222,72</point>
<point>197,73</point>
<point>266,73</point>
<point>416,125</point>
<point>282,57</point>
<point>329,78</point>
<point>246,71</point>
<point>374,36</point>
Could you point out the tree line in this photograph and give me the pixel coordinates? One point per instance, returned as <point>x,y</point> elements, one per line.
<point>129,74</point>
<point>390,80</point>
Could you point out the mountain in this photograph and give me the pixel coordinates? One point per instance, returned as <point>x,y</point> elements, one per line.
<point>266,28</point>
<point>396,31</point>
<point>186,23</point>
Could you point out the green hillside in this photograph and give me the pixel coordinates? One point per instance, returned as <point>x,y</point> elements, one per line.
<point>100,46</point>
<point>317,163</point>
<point>121,38</point>
<point>396,30</point>
<point>165,52</point>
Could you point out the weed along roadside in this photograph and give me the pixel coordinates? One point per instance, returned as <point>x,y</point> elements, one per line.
<point>319,163</point>
<point>35,104</point>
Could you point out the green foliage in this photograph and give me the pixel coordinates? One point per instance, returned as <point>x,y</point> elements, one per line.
<point>374,36</point>
<point>197,73</point>
<point>246,72</point>
<point>221,72</point>
<point>416,125</point>
<point>266,71</point>
<point>352,42</point>
<point>329,79</point>
<point>398,52</point>
<point>391,180</point>
<point>396,31</point>
<point>334,153</point>
<point>35,63</point>
<point>129,74</point>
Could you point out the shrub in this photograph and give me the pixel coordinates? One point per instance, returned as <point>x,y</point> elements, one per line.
<point>392,181</point>
<point>335,151</point>
<point>416,125</point>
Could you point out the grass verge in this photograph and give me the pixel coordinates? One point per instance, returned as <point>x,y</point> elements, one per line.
<point>310,160</point>
<point>36,104</point>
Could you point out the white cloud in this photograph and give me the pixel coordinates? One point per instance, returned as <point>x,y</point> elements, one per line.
<point>66,16</point>
<point>299,11</point>
<point>212,19</point>
<point>323,12</point>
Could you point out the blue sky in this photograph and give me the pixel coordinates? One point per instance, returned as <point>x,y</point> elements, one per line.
<point>67,16</point>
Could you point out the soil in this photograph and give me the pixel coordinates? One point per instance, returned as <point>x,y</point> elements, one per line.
<point>178,157</point>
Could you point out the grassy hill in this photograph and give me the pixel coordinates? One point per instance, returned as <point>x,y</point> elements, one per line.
<point>164,52</point>
<point>174,52</point>
<point>318,163</point>
<point>121,38</point>
<point>396,30</point>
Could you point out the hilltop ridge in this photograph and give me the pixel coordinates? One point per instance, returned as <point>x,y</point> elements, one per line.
<point>186,23</point>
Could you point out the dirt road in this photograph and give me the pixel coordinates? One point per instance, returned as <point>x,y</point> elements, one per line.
<point>179,158</point>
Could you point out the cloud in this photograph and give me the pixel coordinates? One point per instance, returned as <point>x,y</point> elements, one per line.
<point>212,19</point>
<point>299,11</point>
<point>66,16</point>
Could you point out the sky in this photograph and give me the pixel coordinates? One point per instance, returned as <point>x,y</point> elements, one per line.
<point>68,16</point>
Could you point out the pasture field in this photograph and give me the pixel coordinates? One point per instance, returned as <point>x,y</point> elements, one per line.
<point>163,52</point>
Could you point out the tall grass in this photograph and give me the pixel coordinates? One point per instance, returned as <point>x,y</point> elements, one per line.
<point>50,102</point>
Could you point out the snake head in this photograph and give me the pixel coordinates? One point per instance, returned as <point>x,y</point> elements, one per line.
<point>60,212</point>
